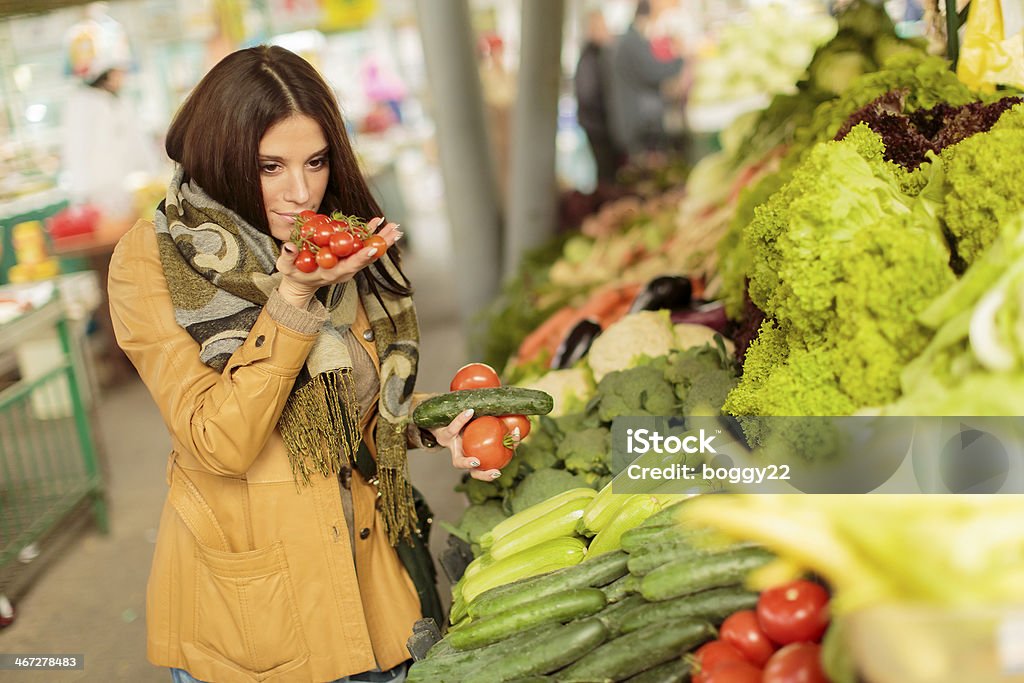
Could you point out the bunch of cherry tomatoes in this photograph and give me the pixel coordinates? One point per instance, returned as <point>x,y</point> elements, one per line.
<point>325,240</point>
<point>778,642</point>
<point>491,440</point>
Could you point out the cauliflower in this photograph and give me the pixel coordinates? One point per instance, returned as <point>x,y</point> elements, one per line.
<point>690,335</point>
<point>570,388</point>
<point>645,333</point>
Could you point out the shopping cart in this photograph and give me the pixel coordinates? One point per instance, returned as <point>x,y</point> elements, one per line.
<point>48,465</point>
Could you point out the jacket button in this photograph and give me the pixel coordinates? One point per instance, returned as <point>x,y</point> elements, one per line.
<point>259,341</point>
<point>368,335</point>
<point>364,534</point>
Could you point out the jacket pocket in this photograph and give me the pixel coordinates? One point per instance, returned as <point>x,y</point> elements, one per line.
<point>246,611</point>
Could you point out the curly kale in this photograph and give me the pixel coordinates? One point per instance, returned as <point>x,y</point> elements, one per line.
<point>843,262</point>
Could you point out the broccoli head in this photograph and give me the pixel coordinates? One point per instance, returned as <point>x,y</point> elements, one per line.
<point>586,450</point>
<point>703,377</point>
<point>543,484</point>
<point>640,391</point>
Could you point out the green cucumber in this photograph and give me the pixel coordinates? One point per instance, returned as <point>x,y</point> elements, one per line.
<point>593,574</point>
<point>621,587</point>
<point>638,538</point>
<point>561,607</point>
<point>454,667</point>
<point>641,564</point>
<point>712,605</point>
<point>614,615</point>
<point>695,574</point>
<point>563,647</point>
<point>439,411</point>
<point>672,671</point>
<point>638,651</point>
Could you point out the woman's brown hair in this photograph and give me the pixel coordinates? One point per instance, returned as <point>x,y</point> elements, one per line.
<point>216,134</point>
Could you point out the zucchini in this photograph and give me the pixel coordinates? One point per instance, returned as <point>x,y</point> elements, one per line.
<point>637,508</point>
<point>561,607</point>
<point>561,521</point>
<point>638,651</point>
<point>712,605</point>
<point>601,571</point>
<point>542,558</point>
<point>566,645</point>
<point>510,524</point>
<point>695,574</point>
<point>439,411</point>
<point>672,671</point>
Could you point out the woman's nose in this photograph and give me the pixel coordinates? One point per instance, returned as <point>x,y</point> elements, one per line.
<point>298,189</point>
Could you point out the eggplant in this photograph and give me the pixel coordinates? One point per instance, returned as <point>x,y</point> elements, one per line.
<point>711,314</point>
<point>665,291</point>
<point>575,344</point>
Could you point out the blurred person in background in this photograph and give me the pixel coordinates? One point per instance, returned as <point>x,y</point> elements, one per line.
<point>636,102</point>
<point>292,545</point>
<point>104,153</point>
<point>590,82</point>
<point>498,86</point>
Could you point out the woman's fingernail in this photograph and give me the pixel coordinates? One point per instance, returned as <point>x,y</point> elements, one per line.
<point>474,463</point>
<point>469,412</point>
<point>495,475</point>
<point>372,252</point>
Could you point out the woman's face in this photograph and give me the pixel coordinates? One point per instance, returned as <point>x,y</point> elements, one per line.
<point>293,171</point>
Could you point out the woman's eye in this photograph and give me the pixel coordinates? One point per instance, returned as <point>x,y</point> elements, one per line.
<point>318,163</point>
<point>269,168</point>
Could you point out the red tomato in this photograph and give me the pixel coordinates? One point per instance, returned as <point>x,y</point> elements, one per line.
<point>484,439</point>
<point>796,663</point>
<point>710,656</point>
<point>343,244</point>
<point>793,612</point>
<point>734,672</point>
<point>513,421</point>
<point>377,242</point>
<point>307,214</point>
<point>322,234</point>
<point>743,632</point>
<point>475,376</point>
<point>326,259</point>
<point>317,220</point>
<point>305,261</point>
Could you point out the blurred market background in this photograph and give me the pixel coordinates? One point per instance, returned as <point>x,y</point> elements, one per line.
<point>466,118</point>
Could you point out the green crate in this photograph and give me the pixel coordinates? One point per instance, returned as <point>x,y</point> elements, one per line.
<point>48,463</point>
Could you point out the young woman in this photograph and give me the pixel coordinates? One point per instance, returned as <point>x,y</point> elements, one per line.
<point>286,394</point>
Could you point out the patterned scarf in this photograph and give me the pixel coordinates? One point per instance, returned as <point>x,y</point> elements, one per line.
<point>220,271</point>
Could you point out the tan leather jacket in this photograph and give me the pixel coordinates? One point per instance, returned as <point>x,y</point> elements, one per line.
<point>253,577</point>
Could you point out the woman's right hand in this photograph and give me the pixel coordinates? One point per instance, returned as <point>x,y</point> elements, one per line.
<point>297,287</point>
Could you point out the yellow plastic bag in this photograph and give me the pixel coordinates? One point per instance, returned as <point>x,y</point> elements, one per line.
<point>988,56</point>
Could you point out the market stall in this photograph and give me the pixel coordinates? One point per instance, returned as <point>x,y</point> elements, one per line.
<point>791,320</point>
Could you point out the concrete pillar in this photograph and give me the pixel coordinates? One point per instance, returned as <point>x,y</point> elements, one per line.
<point>471,189</point>
<point>532,209</point>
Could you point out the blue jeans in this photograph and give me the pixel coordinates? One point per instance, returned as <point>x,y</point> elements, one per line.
<point>396,675</point>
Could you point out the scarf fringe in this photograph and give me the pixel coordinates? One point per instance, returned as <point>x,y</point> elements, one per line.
<point>320,425</point>
<point>398,510</point>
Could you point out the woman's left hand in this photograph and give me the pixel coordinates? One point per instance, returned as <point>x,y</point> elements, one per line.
<point>451,438</point>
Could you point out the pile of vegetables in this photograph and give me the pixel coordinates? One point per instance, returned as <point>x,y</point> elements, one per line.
<point>631,601</point>
<point>763,53</point>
